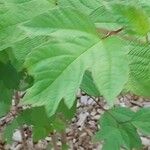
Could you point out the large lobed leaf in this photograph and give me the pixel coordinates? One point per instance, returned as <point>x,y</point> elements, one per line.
<point>58,66</point>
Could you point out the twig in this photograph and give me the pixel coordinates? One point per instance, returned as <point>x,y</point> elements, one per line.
<point>107,111</point>
<point>17,98</point>
<point>14,110</point>
<point>99,104</point>
<point>110,33</point>
<point>136,103</point>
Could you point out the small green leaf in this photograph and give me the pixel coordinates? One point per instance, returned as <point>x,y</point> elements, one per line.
<point>122,114</point>
<point>13,14</point>
<point>39,133</point>
<point>117,131</point>
<point>64,112</point>
<point>88,85</point>
<point>5,99</point>
<point>141,120</point>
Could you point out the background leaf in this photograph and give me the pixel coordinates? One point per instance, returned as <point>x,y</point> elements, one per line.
<point>66,60</point>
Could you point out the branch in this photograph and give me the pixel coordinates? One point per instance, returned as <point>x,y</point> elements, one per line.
<point>109,33</point>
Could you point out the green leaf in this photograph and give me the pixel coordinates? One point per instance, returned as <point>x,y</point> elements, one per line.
<point>112,136</point>
<point>122,114</point>
<point>139,76</point>
<point>141,120</point>
<point>39,133</point>
<point>64,112</point>
<point>42,125</point>
<point>22,48</point>
<point>60,20</point>
<point>85,6</point>
<point>9,75</point>
<point>117,130</point>
<point>66,60</point>
<point>4,57</point>
<point>110,71</point>
<point>5,99</point>
<point>58,124</point>
<point>13,13</point>
<point>9,130</point>
<point>88,85</point>
<point>9,80</point>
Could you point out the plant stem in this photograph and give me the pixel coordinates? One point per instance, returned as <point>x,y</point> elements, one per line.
<point>54,141</point>
<point>16,101</point>
<point>107,111</point>
<point>110,33</point>
<point>24,143</point>
<point>17,98</point>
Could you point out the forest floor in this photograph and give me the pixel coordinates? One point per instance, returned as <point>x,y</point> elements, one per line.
<point>83,126</point>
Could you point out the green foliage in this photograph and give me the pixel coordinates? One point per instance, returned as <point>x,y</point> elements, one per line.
<point>5,99</point>
<point>41,124</point>
<point>52,48</point>
<point>13,13</point>
<point>117,130</point>
<point>142,120</point>
<point>9,80</point>
<point>108,61</point>
<point>30,117</point>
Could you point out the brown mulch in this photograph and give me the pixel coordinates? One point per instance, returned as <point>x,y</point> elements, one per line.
<point>83,126</point>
